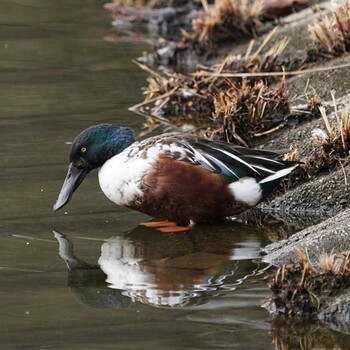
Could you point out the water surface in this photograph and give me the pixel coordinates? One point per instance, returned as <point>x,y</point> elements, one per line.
<point>89,276</point>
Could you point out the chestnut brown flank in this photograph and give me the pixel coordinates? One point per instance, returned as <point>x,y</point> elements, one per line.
<point>179,191</point>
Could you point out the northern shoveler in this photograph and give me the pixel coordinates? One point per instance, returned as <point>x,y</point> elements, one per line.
<point>180,179</point>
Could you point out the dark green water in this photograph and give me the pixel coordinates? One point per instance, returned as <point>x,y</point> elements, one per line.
<point>123,286</point>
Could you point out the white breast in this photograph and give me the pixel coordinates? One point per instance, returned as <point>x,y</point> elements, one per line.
<point>121,175</point>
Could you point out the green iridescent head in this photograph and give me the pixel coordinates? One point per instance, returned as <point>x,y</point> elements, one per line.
<point>90,150</point>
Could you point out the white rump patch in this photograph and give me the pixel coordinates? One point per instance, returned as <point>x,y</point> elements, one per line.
<point>246,190</point>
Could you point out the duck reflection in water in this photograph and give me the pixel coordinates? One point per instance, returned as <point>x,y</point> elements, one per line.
<point>160,270</point>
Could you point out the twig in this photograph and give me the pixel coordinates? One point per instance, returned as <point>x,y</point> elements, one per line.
<point>205,6</point>
<point>145,103</point>
<point>344,172</point>
<point>269,131</point>
<point>148,70</point>
<point>249,49</point>
<point>326,121</point>
<point>273,74</point>
<point>266,40</point>
<point>166,100</point>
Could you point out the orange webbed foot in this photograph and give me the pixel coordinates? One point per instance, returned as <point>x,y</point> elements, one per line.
<point>176,228</point>
<point>164,223</point>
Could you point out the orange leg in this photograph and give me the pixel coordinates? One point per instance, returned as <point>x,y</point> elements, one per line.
<point>158,223</point>
<point>176,228</point>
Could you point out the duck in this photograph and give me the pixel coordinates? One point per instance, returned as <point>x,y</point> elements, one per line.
<point>178,179</point>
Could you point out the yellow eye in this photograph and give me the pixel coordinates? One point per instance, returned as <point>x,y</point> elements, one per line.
<point>83,149</point>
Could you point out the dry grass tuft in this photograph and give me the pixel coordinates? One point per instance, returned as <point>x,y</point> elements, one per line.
<point>240,111</point>
<point>226,20</point>
<point>151,3</point>
<point>334,264</point>
<point>263,59</point>
<point>248,110</point>
<point>298,288</point>
<point>338,133</point>
<point>241,108</point>
<point>338,139</point>
<point>314,104</point>
<point>170,93</point>
<point>331,35</point>
<point>331,147</point>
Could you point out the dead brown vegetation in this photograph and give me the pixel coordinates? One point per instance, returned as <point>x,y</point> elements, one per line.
<point>170,94</point>
<point>331,147</point>
<point>237,110</point>
<point>226,19</point>
<point>264,58</point>
<point>151,3</point>
<point>299,288</point>
<point>331,35</point>
<point>246,110</point>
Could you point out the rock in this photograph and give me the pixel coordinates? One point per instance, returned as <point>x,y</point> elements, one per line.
<point>330,236</point>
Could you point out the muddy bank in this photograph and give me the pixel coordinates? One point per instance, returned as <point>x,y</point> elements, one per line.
<point>162,17</point>
<point>260,111</point>
<point>313,280</point>
<point>329,236</point>
<point>235,89</point>
<point>326,195</point>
